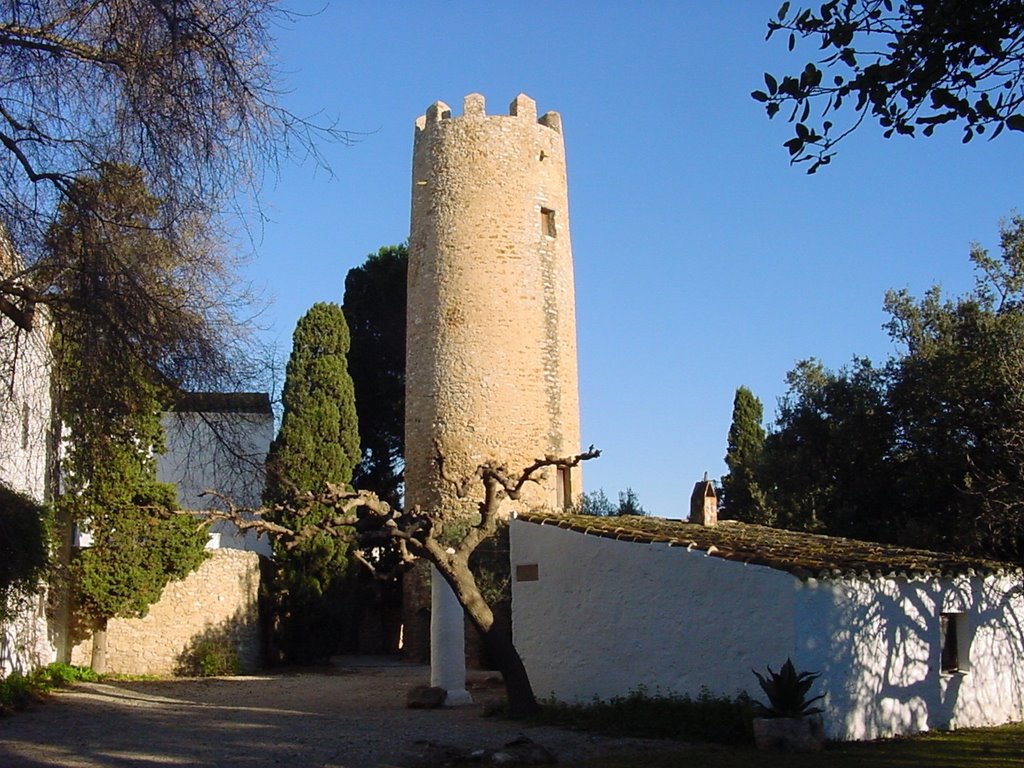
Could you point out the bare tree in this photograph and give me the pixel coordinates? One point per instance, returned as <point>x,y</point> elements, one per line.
<point>183,91</point>
<point>368,522</point>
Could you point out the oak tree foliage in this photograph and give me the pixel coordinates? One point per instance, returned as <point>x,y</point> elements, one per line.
<point>928,449</point>
<point>910,65</point>
<point>109,400</point>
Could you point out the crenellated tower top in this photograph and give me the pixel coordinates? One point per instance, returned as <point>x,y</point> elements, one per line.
<point>474,107</point>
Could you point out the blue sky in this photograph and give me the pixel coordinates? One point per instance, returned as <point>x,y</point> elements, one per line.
<point>704,261</point>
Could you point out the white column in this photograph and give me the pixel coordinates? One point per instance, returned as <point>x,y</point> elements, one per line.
<point>447,642</point>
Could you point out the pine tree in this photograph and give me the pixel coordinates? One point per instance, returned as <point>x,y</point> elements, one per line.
<point>375,310</point>
<point>318,443</point>
<point>744,499</point>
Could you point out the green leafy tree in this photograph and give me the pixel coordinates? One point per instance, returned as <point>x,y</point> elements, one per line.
<point>629,503</point>
<point>908,65</point>
<point>928,450</point>
<point>744,500</point>
<point>375,310</point>
<point>825,462</point>
<point>110,402</point>
<point>317,445</point>
<point>595,503</point>
<point>956,391</point>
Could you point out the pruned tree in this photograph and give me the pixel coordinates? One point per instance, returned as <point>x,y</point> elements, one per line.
<point>366,521</point>
<point>318,443</point>
<point>374,307</point>
<point>909,64</point>
<point>182,92</point>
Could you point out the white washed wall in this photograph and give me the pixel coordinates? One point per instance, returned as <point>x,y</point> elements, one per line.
<point>606,617</point>
<point>24,406</point>
<point>877,644</point>
<point>224,452</point>
<point>24,427</point>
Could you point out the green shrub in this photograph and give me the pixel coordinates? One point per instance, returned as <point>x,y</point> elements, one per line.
<point>24,536</point>
<point>718,719</point>
<point>210,655</point>
<point>18,691</point>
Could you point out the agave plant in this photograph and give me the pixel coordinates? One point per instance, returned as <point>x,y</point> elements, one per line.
<point>787,692</point>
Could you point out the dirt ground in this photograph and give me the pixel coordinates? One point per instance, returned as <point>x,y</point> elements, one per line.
<point>351,716</point>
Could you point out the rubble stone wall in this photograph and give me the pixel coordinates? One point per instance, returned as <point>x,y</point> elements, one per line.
<point>217,602</point>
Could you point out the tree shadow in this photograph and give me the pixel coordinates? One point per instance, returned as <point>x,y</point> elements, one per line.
<point>881,655</point>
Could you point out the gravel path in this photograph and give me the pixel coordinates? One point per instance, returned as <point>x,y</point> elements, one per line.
<point>352,717</point>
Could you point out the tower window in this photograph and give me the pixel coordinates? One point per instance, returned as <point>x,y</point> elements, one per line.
<point>547,222</point>
<point>565,487</point>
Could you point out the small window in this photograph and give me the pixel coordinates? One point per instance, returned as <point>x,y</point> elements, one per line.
<point>953,631</point>
<point>529,572</point>
<point>565,496</point>
<point>547,222</point>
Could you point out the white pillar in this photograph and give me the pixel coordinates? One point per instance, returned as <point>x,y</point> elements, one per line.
<point>447,642</point>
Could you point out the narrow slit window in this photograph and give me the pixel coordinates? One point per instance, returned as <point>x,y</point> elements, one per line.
<point>547,222</point>
<point>953,631</point>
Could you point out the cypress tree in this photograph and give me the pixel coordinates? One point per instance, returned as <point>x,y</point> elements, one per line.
<point>743,498</point>
<point>318,443</point>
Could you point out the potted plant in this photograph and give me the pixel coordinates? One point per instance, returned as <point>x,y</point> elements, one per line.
<point>789,721</point>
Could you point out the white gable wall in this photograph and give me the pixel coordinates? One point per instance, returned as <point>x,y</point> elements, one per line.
<point>606,617</point>
<point>223,452</point>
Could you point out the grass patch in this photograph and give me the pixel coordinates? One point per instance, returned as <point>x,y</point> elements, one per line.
<point>18,691</point>
<point>1001,747</point>
<point>706,718</point>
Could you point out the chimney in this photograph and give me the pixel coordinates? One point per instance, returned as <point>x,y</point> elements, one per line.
<point>704,503</point>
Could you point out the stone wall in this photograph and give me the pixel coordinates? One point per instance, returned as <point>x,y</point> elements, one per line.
<point>216,602</point>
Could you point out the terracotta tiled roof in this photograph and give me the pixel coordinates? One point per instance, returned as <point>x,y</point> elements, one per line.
<point>805,555</point>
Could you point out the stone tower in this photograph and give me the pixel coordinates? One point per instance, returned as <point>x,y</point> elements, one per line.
<point>491,342</point>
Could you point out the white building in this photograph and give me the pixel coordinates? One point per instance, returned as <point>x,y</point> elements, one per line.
<point>905,640</point>
<point>219,442</point>
<point>25,461</point>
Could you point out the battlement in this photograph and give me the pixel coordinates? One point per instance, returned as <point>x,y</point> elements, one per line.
<point>473,108</point>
